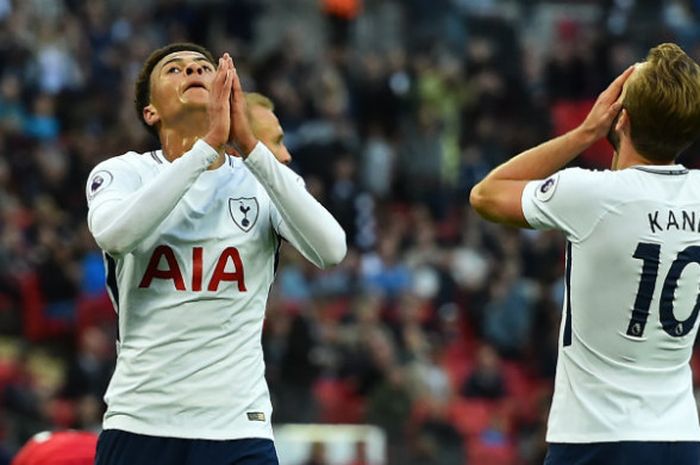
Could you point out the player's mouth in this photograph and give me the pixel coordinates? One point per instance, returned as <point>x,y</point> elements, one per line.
<point>194,85</point>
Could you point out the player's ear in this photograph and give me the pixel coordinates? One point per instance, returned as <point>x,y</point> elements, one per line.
<point>623,121</point>
<point>150,114</point>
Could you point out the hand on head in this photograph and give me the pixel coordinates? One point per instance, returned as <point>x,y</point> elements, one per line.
<point>605,109</point>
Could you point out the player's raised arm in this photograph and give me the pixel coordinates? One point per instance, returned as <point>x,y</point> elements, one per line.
<point>306,224</point>
<point>498,196</point>
<point>123,211</point>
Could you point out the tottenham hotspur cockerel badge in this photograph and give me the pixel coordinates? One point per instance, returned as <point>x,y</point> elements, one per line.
<point>244,212</point>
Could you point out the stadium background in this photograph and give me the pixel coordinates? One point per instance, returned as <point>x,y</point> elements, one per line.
<point>439,328</point>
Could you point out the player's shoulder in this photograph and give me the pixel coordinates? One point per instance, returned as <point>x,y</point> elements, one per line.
<point>132,161</point>
<point>571,181</point>
<point>587,175</point>
<point>577,176</point>
<point>648,179</point>
<point>130,167</point>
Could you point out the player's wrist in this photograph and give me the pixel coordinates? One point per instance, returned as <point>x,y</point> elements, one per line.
<point>214,141</point>
<point>247,146</point>
<point>584,136</point>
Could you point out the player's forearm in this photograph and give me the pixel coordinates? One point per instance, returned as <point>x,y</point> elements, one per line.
<point>119,225</point>
<point>543,160</point>
<point>497,196</point>
<point>309,226</point>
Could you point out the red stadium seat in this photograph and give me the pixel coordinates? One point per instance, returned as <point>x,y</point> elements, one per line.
<point>484,454</point>
<point>566,115</point>
<point>337,402</point>
<point>457,360</point>
<point>471,417</point>
<point>36,324</point>
<point>93,310</point>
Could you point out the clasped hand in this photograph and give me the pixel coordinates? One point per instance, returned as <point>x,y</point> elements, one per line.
<point>227,111</point>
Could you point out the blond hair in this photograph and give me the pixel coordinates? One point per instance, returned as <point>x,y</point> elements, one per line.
<point>663,102</point>
<point>255,99</point>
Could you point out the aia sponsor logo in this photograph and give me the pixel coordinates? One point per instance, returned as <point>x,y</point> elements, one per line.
<point>164,265</point>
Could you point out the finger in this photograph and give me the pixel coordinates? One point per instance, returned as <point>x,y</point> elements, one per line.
<point>625,75</point>
<point>615,87</point>
<point>615,108</point>
<point>218,80</point>
<point>237,90</point>
<point>227,84</point>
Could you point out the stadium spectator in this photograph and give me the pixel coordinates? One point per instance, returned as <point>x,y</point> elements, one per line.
<point>317,454</point>
<point>486,380</point>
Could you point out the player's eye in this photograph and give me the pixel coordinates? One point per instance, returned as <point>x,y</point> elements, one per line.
<point>207,68</point>
<point>173,69</point>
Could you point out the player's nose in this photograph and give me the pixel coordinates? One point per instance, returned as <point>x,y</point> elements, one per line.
<point>194,68</point>
<point>285,156</point>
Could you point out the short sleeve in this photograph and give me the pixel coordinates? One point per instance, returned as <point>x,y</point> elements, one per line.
<point>571,201</point>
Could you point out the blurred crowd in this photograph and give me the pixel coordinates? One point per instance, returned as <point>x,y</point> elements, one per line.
<point>438,327</point>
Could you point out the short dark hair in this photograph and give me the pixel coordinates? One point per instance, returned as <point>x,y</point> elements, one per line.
<point>143,81</point>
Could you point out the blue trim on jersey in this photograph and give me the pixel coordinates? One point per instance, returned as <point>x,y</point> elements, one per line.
<point>567,323</point>
<point>111,281</point>
<point>662,171</point>
<point>155,157</point>
<point>277,254</point>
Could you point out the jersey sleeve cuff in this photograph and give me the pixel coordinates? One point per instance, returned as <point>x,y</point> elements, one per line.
<point>530,210</point>
<point>258,155</point>
<point>204,151</point>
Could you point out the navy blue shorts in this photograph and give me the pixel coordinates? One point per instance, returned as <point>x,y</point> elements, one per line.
<point>624,453</point>
<point>117,447</point>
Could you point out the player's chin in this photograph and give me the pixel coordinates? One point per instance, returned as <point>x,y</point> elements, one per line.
<point>194,103</point>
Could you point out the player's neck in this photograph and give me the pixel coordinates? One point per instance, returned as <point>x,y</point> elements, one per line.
<point>628,156</point>
<point>178,140</point>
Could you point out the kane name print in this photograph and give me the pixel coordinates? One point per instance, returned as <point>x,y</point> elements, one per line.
<point>679,220</point>
<point>229,267</point>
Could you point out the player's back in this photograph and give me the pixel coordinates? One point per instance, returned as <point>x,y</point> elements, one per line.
<point>631,303</point>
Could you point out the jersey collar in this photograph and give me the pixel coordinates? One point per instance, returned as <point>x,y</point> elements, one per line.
<point>159,158</point>
<point>669,170</point>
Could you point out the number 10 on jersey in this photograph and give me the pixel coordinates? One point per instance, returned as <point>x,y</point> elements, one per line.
<point>649,254</point>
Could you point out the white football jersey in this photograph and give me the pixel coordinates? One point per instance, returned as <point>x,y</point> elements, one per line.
<point>190,256</point>
<point>631,304</point>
